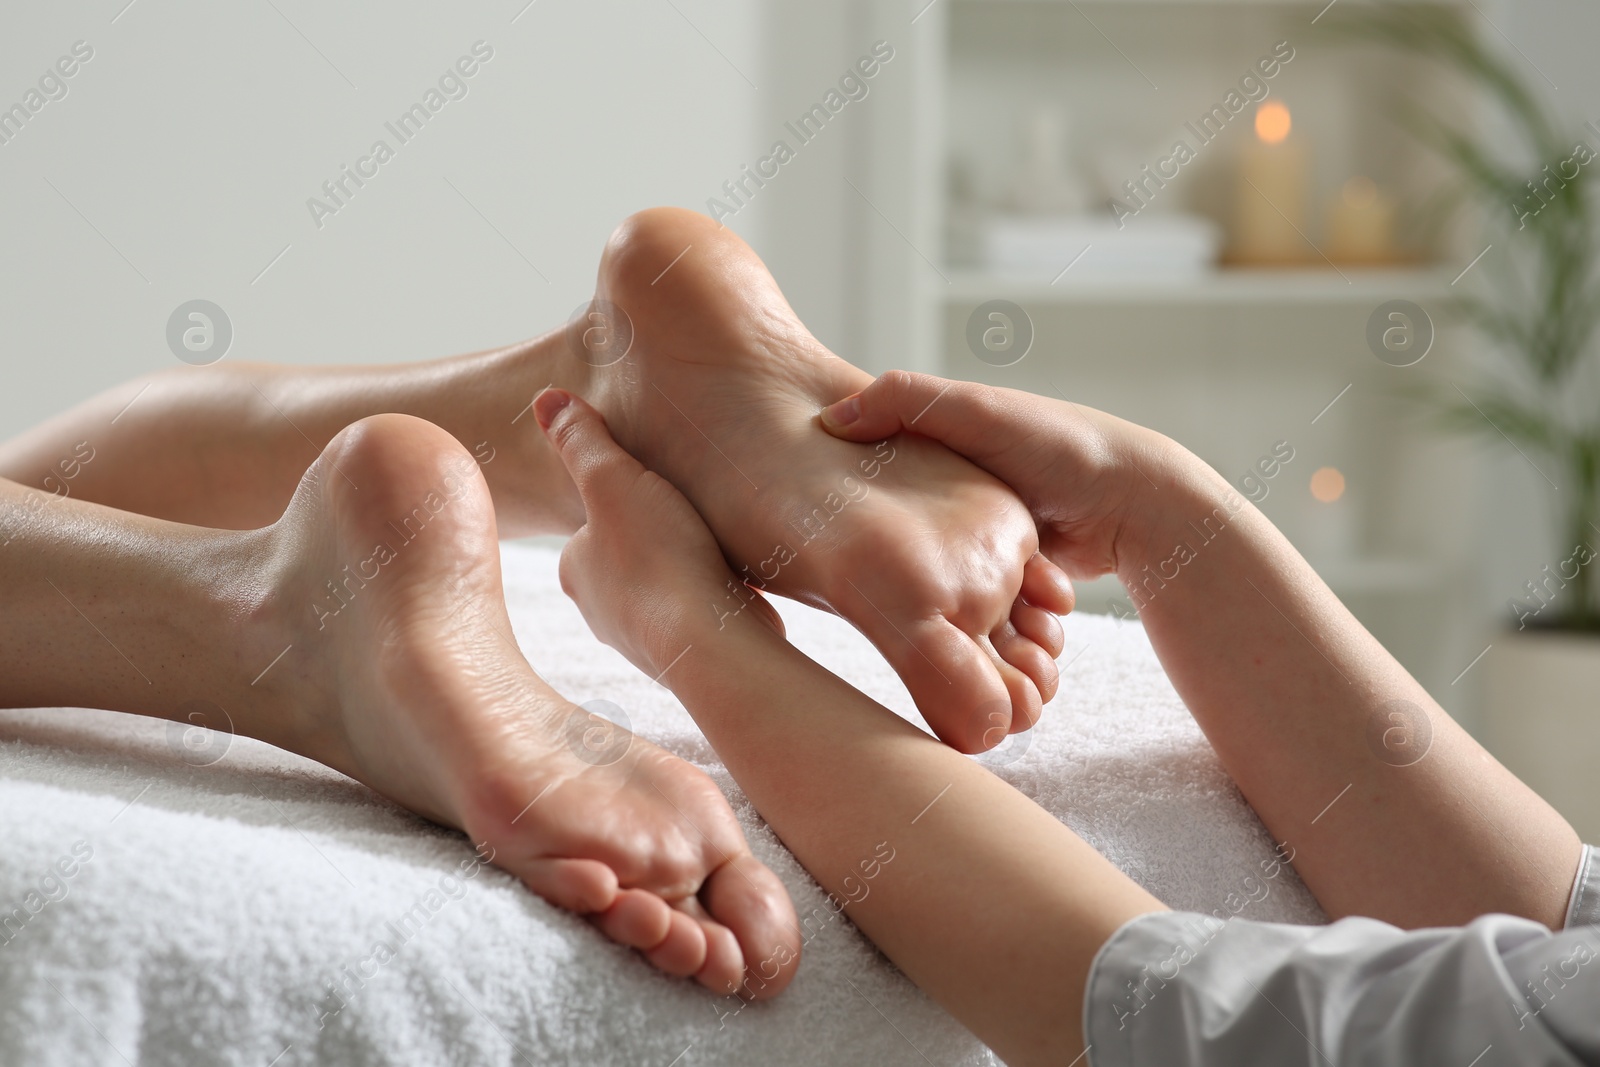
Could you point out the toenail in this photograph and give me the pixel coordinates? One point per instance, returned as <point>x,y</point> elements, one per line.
<point>548,404</point>
<point>844,412</point>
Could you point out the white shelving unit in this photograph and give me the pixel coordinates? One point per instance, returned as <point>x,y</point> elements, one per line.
<point>1228,362</point>
<point>1227,287</point>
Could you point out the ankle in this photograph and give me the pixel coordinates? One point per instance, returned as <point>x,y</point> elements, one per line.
<point>532,491</point>
<point>284,689</point>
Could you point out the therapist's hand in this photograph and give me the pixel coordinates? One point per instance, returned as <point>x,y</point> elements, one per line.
<point>1093,482</point>
<point>644,569</point>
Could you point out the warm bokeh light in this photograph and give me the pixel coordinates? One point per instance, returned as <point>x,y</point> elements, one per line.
<point>1272,122</point>
<point>1327,484</point>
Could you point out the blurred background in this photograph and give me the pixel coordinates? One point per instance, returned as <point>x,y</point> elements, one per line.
<point>1342,251</point>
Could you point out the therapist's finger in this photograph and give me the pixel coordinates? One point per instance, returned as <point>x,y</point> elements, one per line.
<point>602,470</point>
<point>956,413</point>
<point>1025,440</point>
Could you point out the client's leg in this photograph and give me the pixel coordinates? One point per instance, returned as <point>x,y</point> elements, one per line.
<point>708,376</point>
<point>225,445</point>
<point>366,629</point>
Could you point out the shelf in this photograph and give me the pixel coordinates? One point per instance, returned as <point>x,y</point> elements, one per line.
<point>1304,5</point>
<point>1308,286</point>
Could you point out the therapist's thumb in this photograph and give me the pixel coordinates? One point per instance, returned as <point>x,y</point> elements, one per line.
<point>600,468</point>
<point>960,414</point>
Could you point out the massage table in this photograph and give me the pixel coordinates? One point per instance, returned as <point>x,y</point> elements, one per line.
<point>231,903</point>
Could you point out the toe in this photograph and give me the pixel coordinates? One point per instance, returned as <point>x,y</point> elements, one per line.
<point>582,886</point>
<point>1026,703</point>
<point>637,919</point>
<point>1038,666</point>
<point>955,683</point>
<point>670,940</point>
<point>1047,586</point>
<point>683,951</point>
<point>1039,626</point>
<point>724,968</point>
<point>768,613</point>
<point>762,949</point>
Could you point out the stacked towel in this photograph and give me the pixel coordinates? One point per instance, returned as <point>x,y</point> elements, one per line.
<point>263,910</point>
<point>1042,246</point>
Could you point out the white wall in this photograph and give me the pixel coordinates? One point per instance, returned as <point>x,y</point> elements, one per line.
<point>195,135</point>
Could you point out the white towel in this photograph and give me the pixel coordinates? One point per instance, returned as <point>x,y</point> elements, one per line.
<point>153,912</point>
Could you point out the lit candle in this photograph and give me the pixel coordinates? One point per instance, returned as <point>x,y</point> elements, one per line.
<point>1271,216</point>
<point>1361,223</point>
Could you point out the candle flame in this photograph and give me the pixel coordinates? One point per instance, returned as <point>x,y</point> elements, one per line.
<point>1272,122</point>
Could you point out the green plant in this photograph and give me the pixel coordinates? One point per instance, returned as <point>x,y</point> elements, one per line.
<point>1541,310</point>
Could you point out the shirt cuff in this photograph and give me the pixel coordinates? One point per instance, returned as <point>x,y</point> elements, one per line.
<point>1583,907</point>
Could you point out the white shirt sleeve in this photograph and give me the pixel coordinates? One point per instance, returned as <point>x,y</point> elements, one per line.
<point>1180,988</point>
<point>1583,907</point>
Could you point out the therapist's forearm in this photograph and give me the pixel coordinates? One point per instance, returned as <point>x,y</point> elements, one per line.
<point>1298,700</point>
<point>988,903</point>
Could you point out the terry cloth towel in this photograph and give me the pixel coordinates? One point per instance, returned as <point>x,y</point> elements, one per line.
<point>170,897</point>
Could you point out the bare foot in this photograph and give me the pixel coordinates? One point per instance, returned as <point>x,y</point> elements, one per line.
<point>930,557</point>
<point>417,688</point>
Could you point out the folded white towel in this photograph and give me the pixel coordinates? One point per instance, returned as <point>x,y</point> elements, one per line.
<point>153,912</point>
